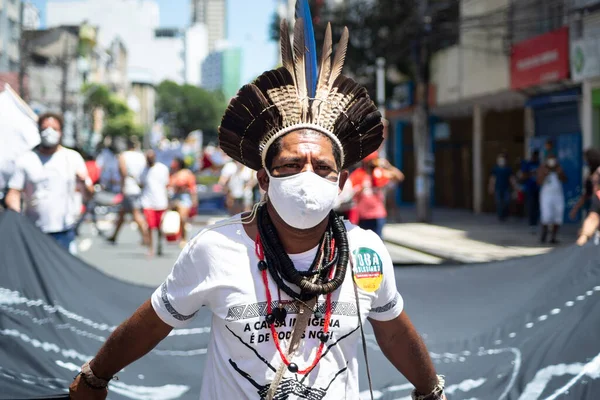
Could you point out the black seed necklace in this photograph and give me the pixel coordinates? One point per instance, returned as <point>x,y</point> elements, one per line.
<point>333,251</point>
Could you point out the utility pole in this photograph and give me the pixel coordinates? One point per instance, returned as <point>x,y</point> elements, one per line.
<point>64,66</point>
<point>422,141</point>
<point>381,98</point>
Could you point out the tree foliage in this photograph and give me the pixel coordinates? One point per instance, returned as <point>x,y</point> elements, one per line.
<point>119,118</point>
<point>382,28</point>
<point>186,108</point>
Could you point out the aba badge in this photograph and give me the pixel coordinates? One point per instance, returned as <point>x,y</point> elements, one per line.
<point>367,269</point>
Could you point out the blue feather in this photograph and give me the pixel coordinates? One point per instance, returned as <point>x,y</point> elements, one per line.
<point>303,11</point>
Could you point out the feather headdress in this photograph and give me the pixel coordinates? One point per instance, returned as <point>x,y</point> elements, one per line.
<point>297,96</point>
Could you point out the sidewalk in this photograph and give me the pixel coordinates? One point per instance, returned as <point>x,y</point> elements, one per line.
<point>460,236</point>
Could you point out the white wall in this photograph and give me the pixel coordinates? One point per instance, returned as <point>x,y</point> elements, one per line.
<point>196,50</point>
<point>132,20</point>
<point>169,64</point>
<point>477,66</point>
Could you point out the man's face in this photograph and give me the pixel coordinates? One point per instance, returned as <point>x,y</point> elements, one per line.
<point>51,123</point>
<point>304,151</point>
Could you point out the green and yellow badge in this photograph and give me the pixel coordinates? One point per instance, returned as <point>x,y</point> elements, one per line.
<point>368,269</point>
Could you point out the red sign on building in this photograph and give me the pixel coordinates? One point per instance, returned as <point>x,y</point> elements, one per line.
<point>544,58</point>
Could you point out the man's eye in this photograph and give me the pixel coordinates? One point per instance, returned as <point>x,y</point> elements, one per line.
<point>291,166</point>
<point>324,168</point>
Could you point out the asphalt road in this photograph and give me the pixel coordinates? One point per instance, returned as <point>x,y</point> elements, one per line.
<point>127,259</point>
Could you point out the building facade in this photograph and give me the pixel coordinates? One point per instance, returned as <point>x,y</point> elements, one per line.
<point>504,87</point>
<point>114,18</point>
<point>221,70</point>
<point>213,14</point>
<point>585,66</point>
<point>10,11</point>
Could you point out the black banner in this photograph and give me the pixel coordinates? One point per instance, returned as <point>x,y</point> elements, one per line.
<point>523,329</point>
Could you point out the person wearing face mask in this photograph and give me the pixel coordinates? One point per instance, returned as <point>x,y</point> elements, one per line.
<point>290,284</point>
<point>501,182</point>
<point>552,198</point>
<point>369,182</point>
<point>47,180</point>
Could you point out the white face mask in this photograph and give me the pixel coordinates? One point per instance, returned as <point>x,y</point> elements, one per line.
<point>303,200</point>
<point>551,162</point>
<point>50,137</point>
<point>501,162</point>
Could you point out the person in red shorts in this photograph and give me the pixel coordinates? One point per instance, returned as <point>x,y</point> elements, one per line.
<point>155,197</point>
<point>369,182</point>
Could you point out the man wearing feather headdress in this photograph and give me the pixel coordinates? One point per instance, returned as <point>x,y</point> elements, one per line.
<point>289,285</point>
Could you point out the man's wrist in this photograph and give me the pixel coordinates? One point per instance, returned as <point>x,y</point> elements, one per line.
<point>96,372</point>
<point>437,393</point>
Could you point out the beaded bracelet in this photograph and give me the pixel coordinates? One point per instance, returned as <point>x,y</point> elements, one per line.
<point>436,394</point>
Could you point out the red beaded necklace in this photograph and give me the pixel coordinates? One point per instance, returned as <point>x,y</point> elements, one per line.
<point>261,257</point>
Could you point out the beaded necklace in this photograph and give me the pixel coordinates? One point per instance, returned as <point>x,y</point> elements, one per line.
<point>324,337</point>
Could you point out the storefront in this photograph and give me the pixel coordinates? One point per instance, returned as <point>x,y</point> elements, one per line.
<point>585,68</point>
<point>537,65</point>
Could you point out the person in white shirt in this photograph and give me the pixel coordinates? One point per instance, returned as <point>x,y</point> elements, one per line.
<point>289,285</point>
<point>551,177</point>
<point>131,165</point>
<point>50,181</point>
<point>239,182</point>
<point>155,197</point>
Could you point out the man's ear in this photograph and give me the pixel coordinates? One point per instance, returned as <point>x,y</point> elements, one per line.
<point>343,178</point>
<point>263,179</point>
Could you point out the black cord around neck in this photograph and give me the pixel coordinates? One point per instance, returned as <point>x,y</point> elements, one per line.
<point>282,269</point>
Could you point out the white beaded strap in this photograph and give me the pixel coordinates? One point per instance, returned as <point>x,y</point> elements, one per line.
<point>296,127</point>
<point>436,394</point>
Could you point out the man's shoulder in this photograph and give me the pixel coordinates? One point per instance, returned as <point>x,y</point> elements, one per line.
<point>359,237</point>
<point>27,157</point>
<point>218,236</point>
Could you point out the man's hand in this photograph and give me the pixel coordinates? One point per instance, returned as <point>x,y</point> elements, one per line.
<point>79,390</point>
<point>582,240</point>
<point>404,348</point>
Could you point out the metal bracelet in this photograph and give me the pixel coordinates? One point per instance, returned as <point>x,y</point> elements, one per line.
<point>436,394</point>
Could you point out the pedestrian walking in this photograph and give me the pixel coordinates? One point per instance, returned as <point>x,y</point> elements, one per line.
<point>369,182</point>
<point>131,165</point>
<point>592,159</point>
<point>552,198</point>
<point>239,182</point>
<point>89,206</point>
<point>182,185</point>
<point>47,181</point>
<point>155,198</point>
<point>290,286</point>
<point>532,190</point>
<point>108,162</point>
<point>502,180</point>
<point>592,221</point>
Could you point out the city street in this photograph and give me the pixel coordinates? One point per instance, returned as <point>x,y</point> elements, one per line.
<point>127,260</point>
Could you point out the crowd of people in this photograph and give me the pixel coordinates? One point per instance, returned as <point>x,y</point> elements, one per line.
<point>538,185</point>
<point>58,188</point>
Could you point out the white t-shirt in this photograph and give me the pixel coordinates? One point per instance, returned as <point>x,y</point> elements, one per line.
<point>552,186</point>
<point>155,180</point>
<point>218,269</point>
<point>238,178</point>
<point>48,185</point>
<point>135,162</point>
